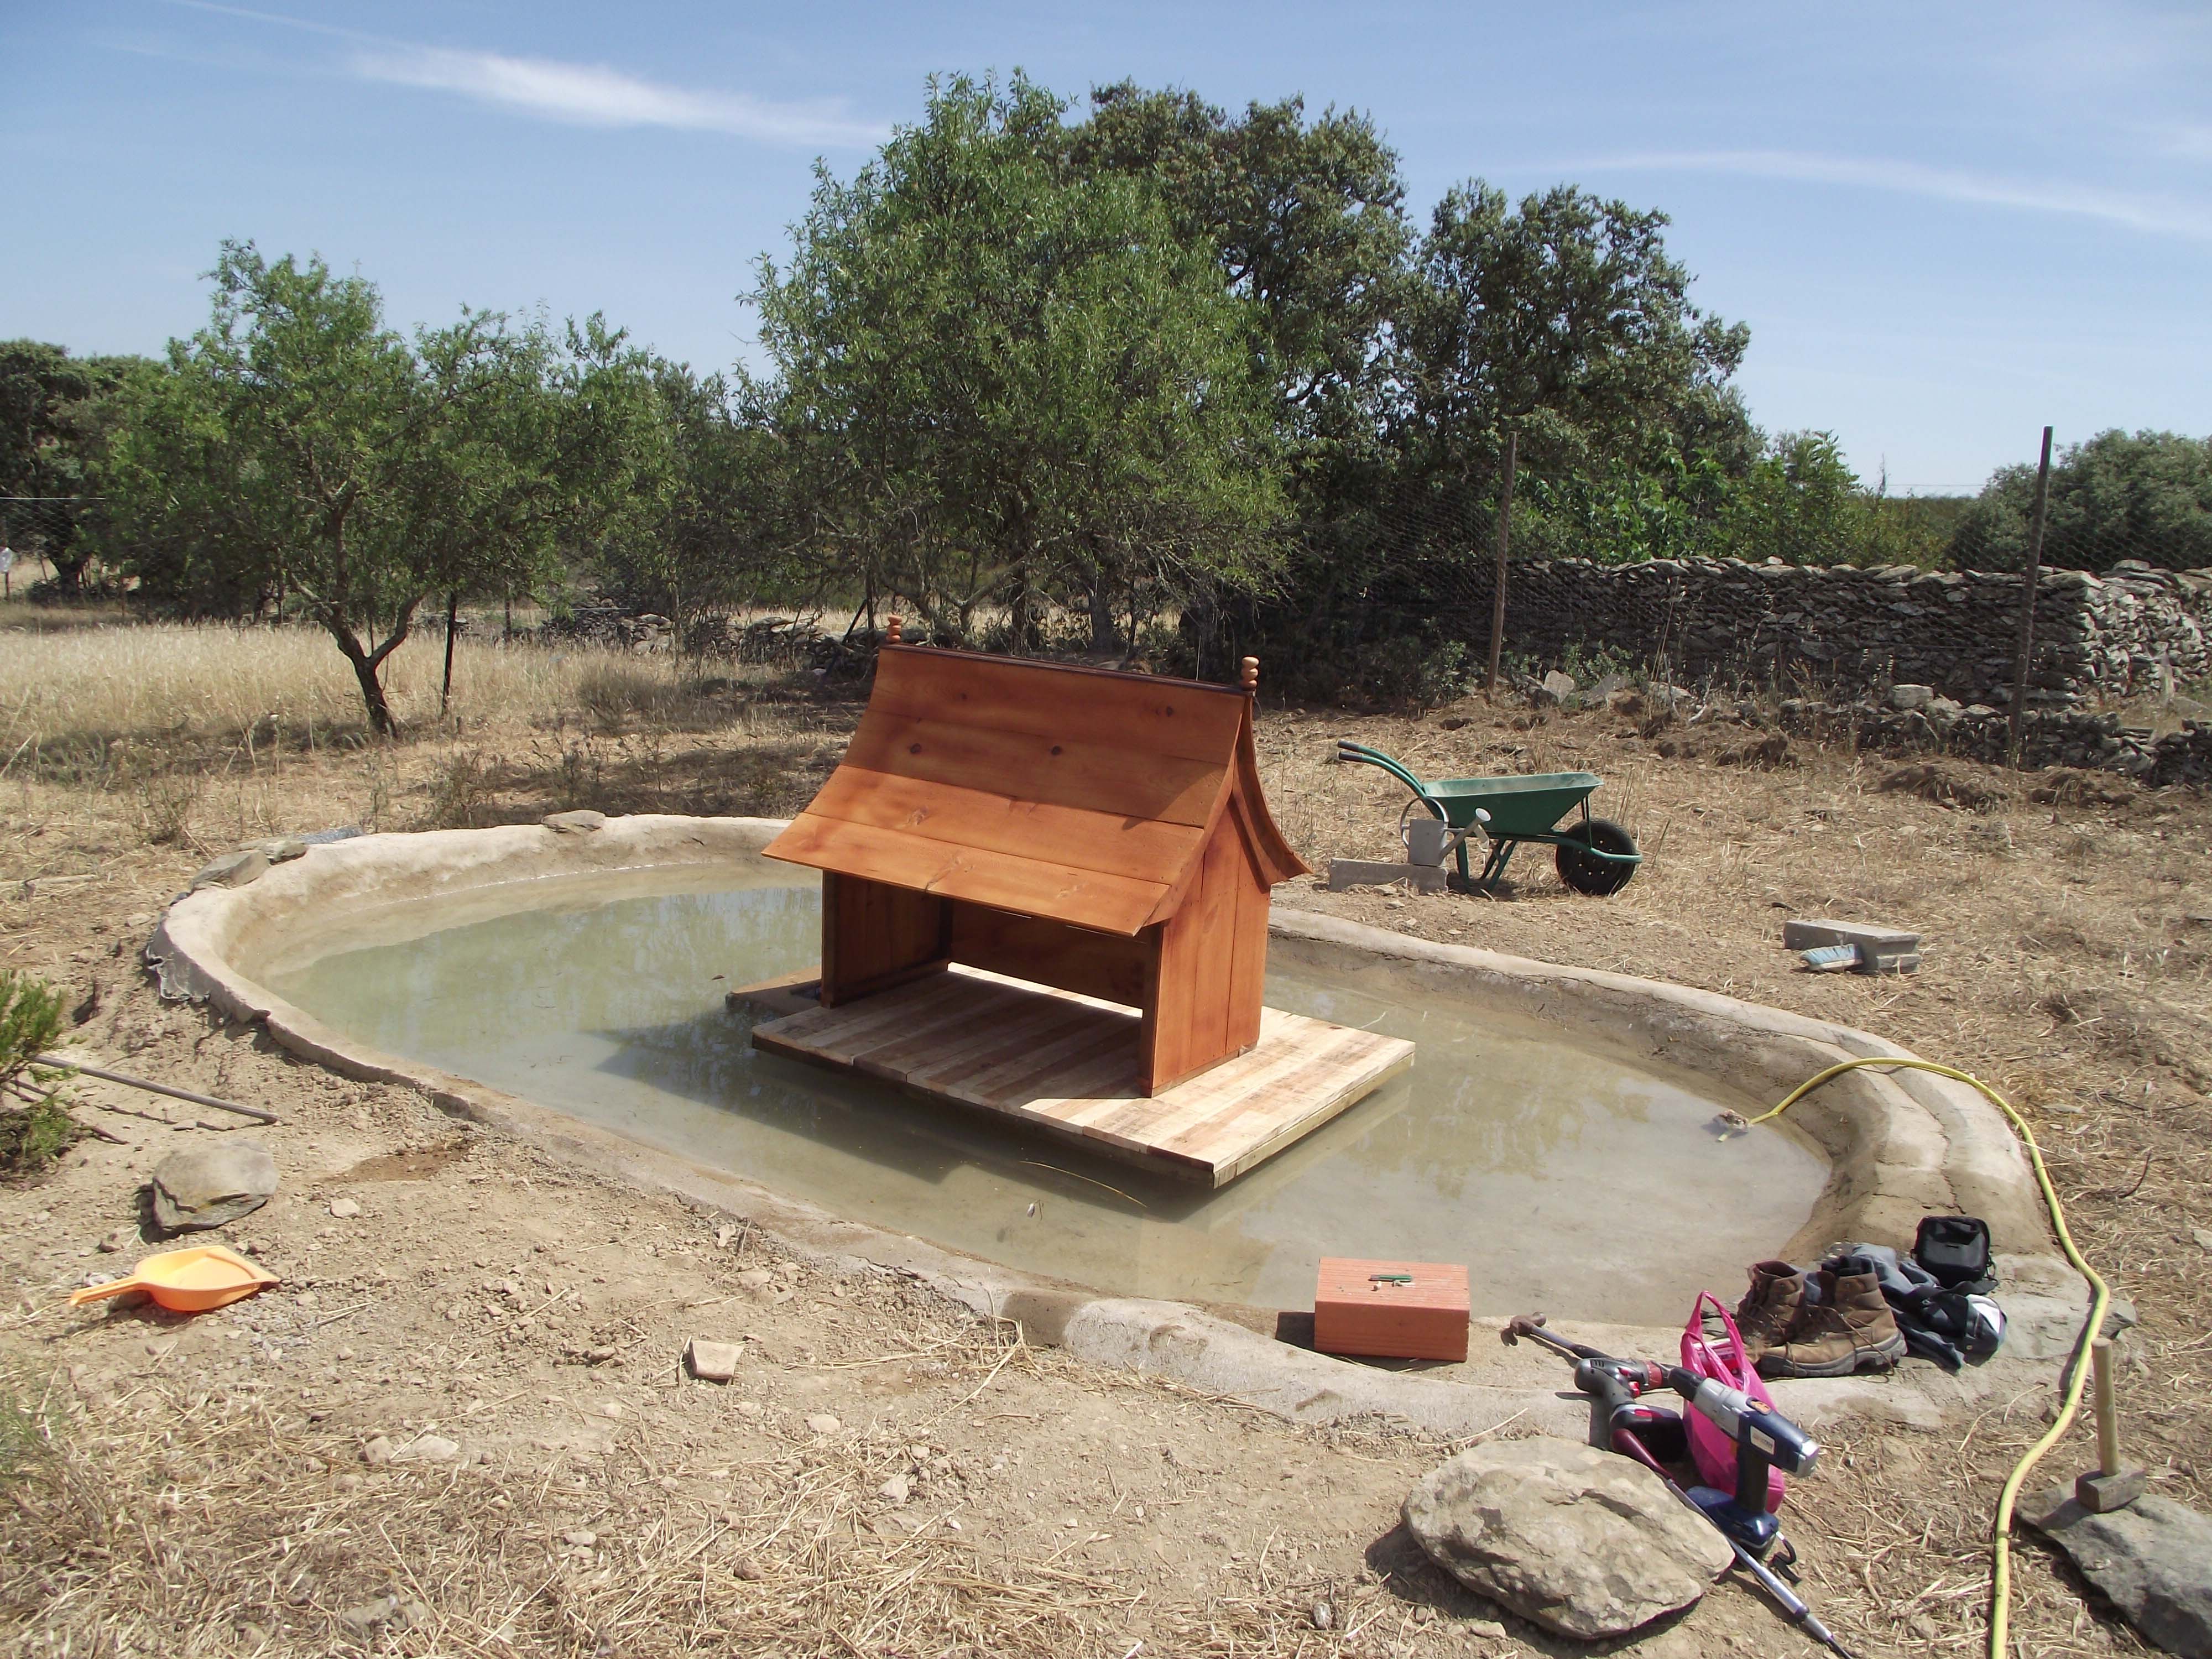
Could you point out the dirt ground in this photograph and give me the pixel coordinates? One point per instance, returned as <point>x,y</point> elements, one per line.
<point>462,1426</point>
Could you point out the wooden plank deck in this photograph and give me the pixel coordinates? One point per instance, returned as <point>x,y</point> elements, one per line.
<point>1070,1064</point>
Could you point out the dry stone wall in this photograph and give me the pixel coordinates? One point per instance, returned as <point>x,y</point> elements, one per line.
<point>1845,632</point>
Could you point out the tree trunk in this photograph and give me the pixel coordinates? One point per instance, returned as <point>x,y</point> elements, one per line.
<point>1104,637</point>
<point>453,627</point>
<point>370,674</point>
<point>1504,536</point>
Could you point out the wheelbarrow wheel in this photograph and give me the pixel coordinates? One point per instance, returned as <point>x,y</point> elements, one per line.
<point>1586,873</point>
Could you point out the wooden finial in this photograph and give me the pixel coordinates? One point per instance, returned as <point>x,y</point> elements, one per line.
<point>891,633</point>
<point>1251,674</point>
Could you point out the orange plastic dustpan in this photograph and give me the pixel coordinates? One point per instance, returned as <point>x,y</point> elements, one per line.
<point>186,1281</point>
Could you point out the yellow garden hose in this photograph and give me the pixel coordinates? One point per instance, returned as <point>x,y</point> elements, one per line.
<point>2077,1372</point>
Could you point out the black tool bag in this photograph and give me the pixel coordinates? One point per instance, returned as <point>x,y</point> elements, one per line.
<point>1955,1249</point>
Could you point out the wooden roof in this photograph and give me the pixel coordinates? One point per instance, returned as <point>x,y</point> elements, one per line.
<point>1077,794</point>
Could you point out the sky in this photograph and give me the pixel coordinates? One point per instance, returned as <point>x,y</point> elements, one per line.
<point>1946,226</point>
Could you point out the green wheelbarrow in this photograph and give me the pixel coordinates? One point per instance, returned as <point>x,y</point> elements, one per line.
<point>1593,855</point>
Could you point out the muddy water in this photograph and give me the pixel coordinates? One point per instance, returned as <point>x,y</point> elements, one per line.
<point>1578,1181</point>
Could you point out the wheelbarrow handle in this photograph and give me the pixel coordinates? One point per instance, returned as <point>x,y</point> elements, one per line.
<point>1347,750</point>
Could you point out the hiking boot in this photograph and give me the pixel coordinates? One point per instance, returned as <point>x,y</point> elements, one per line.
<point>1770,1308</point>
<point>1849,1329</point>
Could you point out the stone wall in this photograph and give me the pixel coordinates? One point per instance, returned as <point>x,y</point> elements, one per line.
<point>1844,631</point>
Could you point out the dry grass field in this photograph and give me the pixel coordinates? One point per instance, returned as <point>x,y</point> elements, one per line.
<point>164,1495</point>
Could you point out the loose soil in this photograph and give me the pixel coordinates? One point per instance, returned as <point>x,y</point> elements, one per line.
<point>469,1397</point>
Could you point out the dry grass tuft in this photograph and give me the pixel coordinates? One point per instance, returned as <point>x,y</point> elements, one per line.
<point>1945,786</point>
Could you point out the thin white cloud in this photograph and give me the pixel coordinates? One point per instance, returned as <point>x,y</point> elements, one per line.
<point>2156,215</point>
<point>589,94</point>
<point>584,94</point>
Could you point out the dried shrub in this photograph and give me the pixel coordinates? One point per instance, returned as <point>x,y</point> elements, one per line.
<point>1945,786</point>
<point>2069,787</point>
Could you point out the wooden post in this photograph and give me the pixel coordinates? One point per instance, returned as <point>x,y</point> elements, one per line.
<point>2030,576</point>
<point>453,616</point>
<point>891,631</point>
<point>2108,1418</point>
<point>1249,676</point>
<point>1505,534</point>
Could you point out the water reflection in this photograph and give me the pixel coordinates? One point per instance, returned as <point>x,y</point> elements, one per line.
<point>604,998</point>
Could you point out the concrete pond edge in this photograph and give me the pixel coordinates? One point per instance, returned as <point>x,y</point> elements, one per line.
<point>1900,1144</point>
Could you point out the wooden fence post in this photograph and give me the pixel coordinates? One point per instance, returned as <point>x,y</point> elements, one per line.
<point>1505,535</point>
<point>2030,576</point>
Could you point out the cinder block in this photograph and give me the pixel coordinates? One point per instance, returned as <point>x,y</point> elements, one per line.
<point>1882,950</point>
<point>1391,1309</point>
<point>1360,873</point>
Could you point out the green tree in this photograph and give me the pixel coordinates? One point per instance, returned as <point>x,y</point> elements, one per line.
<point>52,408</point>
<point>299,447</point>
<point>1004,378</point>
<point>2144,496</point>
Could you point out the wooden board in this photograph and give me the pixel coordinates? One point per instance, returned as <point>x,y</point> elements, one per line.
<point>1071,1064</point>
<point>1359,1307</point>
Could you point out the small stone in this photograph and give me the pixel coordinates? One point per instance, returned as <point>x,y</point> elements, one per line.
<point>750,1408</point>
<point>231,870</point>
<point>345,1209</point>
<point>363,1621</point>
<point>894,1490</point>
<point>755,1279</point>
<point>610,1408</point>
<point>282,849</point>
<point>713,1362</point>
<point>2202,1237</point>
<point>581,1538</point>
<point>344,1352</point>
<point>1321,1615</point>
<point>748,1570</point>
<point>210,1186</point>
<point>428,1449</point>
<point>1904,697</point>
<point>821,1423</point>
<point>116,1240</point>
<point>377,1450</point>
<point>581,822</point>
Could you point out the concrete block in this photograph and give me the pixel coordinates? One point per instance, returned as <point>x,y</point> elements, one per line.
<point>1882,950</point>
<point>1361,872</point>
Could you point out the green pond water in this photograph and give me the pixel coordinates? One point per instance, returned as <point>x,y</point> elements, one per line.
<point>1579,1182</point>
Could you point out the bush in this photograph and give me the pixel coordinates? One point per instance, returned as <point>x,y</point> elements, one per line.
<point>33,1135</point>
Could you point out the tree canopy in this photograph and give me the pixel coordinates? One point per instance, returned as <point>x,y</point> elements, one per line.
<point>1004,378</point>
<point>2144,496</point>
<point>299,450</point>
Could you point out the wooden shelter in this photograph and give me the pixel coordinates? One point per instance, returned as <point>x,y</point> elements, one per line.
<point>1101,834</point>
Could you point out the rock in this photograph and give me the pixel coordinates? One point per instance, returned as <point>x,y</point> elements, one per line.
<point>2204,1239</point>
<point>2153,1558</point>
<point>581,822</point>
<point>1910,697</point>
<point>821,1423</point>
<point>211,1185</point>
<point>362,1622</point>
<point>1625,701</point>
<point>282,850</point>
<point>377,1450</point>
<point>1585,1544</point>
<point>581,1538</point>
<point>1321,1615</point>
<point>232,870</point>
<point>755,1279</point>
<point>344,1208</point>
<point>1555,687</point>
<point>428,1449</point>
<point>894,1490</point>
<point>612,1408</point>
<point>713,1362</point>
<point>116,1240</point>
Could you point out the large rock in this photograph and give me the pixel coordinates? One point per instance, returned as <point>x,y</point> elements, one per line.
<point>211,1185</point>
<point>2153,1559</point>
<point>1583,1542</point>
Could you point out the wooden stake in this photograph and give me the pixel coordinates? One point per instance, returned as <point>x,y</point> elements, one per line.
<point>1505,534</point>
<point>2032,574</point>
<point>2108,1419</point>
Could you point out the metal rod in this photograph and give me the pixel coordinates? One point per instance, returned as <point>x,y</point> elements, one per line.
<point>60,1064</point>
<point>2031,574</point>
<point>2108,1417</point>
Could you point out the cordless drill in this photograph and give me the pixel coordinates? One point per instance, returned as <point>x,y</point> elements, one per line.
<point>1764,1440</point>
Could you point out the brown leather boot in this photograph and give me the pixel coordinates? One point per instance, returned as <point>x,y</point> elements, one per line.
<point>1849,1329</point>
<point>1770,1308</point>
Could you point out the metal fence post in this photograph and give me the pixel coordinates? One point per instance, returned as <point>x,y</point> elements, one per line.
<point>2030,576</point>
